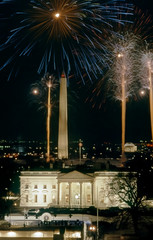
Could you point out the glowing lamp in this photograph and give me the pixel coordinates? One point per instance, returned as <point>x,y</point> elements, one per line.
<point>76,196</point>
<point>37,234</point>
<point>92,228</point>
<point>11,234</point>
<point>76,235</point>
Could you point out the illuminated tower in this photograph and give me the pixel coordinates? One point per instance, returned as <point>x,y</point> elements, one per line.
<point>63,121</point>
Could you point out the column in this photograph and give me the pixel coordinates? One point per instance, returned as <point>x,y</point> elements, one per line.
<point>81,194</point>
<point>58,193</point>
<point>70,194</point>
<point>92,191</point>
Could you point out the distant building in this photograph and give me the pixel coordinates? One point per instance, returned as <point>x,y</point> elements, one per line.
<point>74,189</point>
<point>130,147</point>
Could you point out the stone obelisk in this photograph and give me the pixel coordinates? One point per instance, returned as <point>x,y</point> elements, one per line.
<point>63,120</point>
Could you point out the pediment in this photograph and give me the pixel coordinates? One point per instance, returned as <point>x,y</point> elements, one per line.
<point>75,175</point>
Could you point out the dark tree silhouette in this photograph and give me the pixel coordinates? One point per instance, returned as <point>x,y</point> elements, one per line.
<point>124,186</point>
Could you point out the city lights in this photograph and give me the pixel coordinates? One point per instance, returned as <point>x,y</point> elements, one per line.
<point>11,234</point>
<point>37,234</point>
<point>92,228</point>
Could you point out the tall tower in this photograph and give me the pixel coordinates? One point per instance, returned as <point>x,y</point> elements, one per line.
<point>63,120</point>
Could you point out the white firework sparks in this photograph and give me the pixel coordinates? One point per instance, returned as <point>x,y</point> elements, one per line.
<point>122,72</point>
<point>146,76</point>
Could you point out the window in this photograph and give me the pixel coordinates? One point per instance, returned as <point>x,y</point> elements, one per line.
<point>45,198</point>
<point>53,186</point>
<point>26,186</point>
<point>35,186</point>
<point>53,199</point>
<point>45,187</point>
<point>35,198</point>
<point>27,198</point>
<point>88,197</point>
<point>67,198</point>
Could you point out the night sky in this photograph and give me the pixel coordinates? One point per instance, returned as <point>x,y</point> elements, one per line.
<point>21,119</point>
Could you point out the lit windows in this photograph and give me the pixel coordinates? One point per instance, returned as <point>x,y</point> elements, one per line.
<point>88,197</point>
<point>45,187</point>
<point>53,199</point>
<point>35,186</point>
<point>67,198</point>
<point>44,198</point>
<point>35,198</point>
<point>27,198</point>
<point>53,186</point>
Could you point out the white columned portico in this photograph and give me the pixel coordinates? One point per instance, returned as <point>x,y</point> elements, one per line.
<point>75,189</point>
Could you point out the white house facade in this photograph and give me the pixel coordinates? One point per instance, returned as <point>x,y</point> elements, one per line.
<point>42,189</point>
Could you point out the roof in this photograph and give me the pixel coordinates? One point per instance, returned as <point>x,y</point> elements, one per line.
<point>75,176</point>
<point>129,145</point>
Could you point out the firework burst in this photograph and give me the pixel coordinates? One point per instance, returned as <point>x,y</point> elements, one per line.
<point>142,26</point>
<point>45,88</point>
<point>146,65</point>
<point>122,72</point>
<point>145,74</point>
<point>124,52</point>
<point>40,89</point>
<point>63,35</point>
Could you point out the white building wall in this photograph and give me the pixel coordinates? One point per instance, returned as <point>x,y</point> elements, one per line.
<point>38,191</point>
<point>41,189</point>
<point>103,196</point>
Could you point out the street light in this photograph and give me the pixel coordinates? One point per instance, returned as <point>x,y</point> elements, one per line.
<point>92,231</point>
<point>80,148</point>
<point>92,228</point>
